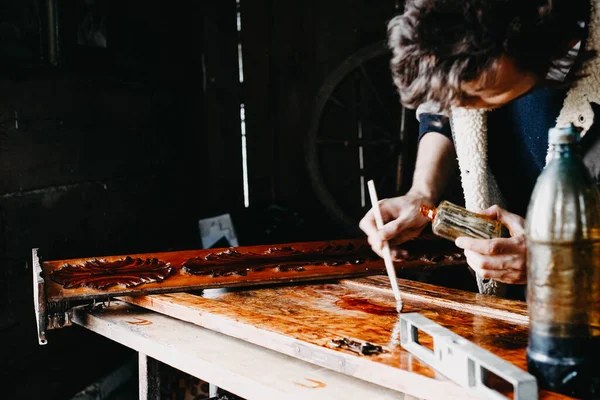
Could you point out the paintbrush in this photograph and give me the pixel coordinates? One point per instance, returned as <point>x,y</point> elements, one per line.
<point>387,256</point>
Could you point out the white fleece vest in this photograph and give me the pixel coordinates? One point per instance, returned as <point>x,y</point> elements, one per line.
<point>469,130</point>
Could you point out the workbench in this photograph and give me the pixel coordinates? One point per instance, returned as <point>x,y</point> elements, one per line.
<point>295,321</point>
<point>245,369</point>
<point>275,341</point>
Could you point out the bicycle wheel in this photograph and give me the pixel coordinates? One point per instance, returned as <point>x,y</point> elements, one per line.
<point>356,134</point>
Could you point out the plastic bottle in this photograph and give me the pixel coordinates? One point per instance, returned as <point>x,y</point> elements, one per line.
<point>451,221</point>
<point>563,272</point>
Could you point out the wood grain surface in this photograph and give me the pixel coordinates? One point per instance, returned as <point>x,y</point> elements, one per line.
<point>239,266</point>
<point>234,365</point>
<point>302,321</point>
<point>495,307</point>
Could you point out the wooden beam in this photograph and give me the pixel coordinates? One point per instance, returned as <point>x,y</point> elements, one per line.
<point>149,378</point>
<point>223,137</point>
<point>332,324</point>
<point>259,99</point>
<point>100,277</point>
<point>233,365</point>
<point>474,303</point>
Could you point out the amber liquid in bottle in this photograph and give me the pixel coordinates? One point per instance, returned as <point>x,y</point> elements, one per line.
<point>451,221</point>
<point>563,272</point>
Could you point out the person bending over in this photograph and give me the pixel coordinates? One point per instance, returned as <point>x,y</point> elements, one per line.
<point>488,79</point>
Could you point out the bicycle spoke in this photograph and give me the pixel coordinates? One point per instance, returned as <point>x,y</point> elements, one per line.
<point>376,93</point>
<point>367,172</point>
<point>356,134</point>
<point>338,102</point>
<point>367,120</point>
<point>398,181</point>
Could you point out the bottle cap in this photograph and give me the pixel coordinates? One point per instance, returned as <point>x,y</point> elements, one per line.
<point>427,212</point>
<point>563,135</point>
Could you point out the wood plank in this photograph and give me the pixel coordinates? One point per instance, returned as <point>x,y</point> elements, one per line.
<point>148,378</point>
<point>86,278</point>
<point>286,341</point>
<point>479,304</point>
<point>223,137</point>
<point>302,321</point>
<point>292,56</point>
<point>258,99</point>
<point>234,365</point>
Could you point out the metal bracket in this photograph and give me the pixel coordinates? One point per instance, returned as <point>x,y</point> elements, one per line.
<point>54,314</point>
<point>48,316</point>
<point>319,357</point>
<point>39,298</point>
<point>462,361</point>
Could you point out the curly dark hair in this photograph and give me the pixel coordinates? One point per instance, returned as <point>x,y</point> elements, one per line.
<point>439,44</point>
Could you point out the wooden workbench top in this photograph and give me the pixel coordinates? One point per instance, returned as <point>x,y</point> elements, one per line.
<point>234,365</point>
<point>302,321</point>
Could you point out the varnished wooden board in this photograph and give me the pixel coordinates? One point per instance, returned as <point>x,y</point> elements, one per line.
<point>302,320</point>
<point>460,300</point>
<point>99,277</point>
<point>242,368</point>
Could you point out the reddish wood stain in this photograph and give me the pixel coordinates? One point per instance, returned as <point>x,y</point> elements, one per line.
<point>361,310</point>
<point>277,259</point>
<point>140,321</point>
<point>100,274</point>
<point>239,266</point>
<point>368,306</point>
<point>317,384</point>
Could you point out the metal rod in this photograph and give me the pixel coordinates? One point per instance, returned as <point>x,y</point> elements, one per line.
<point>52,40</point>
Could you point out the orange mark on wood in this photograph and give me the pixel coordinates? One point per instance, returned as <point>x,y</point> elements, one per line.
<point>140,321</point>
<point>316,385</point>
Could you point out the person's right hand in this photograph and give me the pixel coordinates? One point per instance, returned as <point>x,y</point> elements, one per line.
<point>402,222</point>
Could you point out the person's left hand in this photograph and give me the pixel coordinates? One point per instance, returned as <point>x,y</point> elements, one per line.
<point>502,259</point>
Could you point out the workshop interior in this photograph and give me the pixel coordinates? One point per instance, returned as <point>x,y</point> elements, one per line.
<point>181,187</point>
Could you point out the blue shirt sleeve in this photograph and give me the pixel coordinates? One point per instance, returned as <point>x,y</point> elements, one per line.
<point>434,123</point>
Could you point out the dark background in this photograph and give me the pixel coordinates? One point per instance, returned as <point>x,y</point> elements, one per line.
<point>121,149</point>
